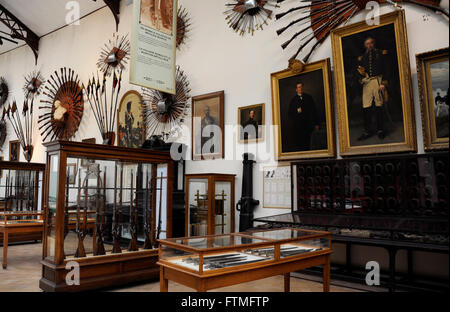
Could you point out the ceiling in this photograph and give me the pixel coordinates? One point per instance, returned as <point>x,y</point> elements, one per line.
<point>42,16</point>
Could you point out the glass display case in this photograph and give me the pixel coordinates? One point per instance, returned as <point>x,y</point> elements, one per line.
<point>215,261</point>
<point>21,216</point>
<point>206,254</point>
<point>106,208</point>
<point>209,204</point>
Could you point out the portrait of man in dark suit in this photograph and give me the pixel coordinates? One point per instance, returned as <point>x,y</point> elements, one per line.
<point>302,110</point>
<point>303,118</point>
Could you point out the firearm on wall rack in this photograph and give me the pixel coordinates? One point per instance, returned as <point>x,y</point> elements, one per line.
<point>148,213</point>
<point>116,225</point>
<point>133,219</point>
<point>99,219</point>
<point>158,232</point>
<point>80,233</point>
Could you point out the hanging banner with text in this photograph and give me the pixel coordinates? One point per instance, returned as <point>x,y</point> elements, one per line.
<point>153,44</point>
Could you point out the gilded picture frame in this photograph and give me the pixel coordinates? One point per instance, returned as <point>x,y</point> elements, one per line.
<point>259,111</point>
<point>316,78</point>
<point>138,122</point>
<point>432,77</point>
<point>391,25</point>
<point>208,110</point>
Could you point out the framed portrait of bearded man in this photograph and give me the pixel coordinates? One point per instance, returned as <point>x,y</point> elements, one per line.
<point>303,116</point>
<point>373,87</point>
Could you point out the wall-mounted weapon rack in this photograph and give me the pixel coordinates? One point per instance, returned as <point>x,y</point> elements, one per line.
<point>106,206</point>
<point>21,217</point>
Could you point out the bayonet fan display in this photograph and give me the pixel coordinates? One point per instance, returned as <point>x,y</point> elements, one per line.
<point>246,16</point>
<point>163,112</point>
<point>316,19</point>
<point>4,91</point>
<point>114,55</point>
<point>63,107</point>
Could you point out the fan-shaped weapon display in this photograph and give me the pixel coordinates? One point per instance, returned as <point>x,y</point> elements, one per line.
<point>183,26</point>
<point>4,91</point>
<point>319,17</point>
<point>63,107</point>
<point>246,16</point>
<point>114,55</point>
<point>163,111</point>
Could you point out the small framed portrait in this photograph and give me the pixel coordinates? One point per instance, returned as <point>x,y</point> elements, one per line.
<point>157,14</point>
<point>71,173</point>
<point>208,126</point>
<point>432,75</point>
<point>302,112</point>
<point>130,122</point>
<point>14,150</point>
<point>373,87</point>
<point>252,123</point>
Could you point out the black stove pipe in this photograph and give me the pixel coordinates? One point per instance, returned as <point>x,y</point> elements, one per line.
<point>247,203</point>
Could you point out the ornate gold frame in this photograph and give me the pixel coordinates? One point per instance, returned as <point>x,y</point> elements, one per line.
<point>410,143</point>
<point>263,125</point>
<point>423,61</point>
<point>324,66</point>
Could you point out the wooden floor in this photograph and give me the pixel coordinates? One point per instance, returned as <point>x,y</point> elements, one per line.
<point>24,272</point>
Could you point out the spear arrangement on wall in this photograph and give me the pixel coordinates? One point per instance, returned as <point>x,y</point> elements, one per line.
<point>63,107</point>
<point>114,55</point>
<point>104,104</point>
<point>23,125</point>
<point>162,112</point>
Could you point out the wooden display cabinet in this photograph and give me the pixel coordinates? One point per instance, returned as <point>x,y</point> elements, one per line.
<point>21,217</point>
<point>209,204</point>
<point>105,206</point>
<point>209,262</point>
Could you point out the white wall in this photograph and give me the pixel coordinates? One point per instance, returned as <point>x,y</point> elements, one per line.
<point>214,58</point>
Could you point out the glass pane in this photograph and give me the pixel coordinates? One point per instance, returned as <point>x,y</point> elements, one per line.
<point>198,207</point>
<point>303,247</point>
<point>222,207</point>
<point>109,207</point>
<point>216,241</point>
<point>52,200</point>
<point>282,234</point>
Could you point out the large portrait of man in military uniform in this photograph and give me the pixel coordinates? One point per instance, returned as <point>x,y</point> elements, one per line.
<point>373,87</point>
<point>130,122</point>
<point>208,126</point>
<point>302,112</point>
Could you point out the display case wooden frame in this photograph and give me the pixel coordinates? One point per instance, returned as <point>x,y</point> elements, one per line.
<point>110,269</point>
<point>212,179</point>
<point>203,280</point>
<point>32,229</point>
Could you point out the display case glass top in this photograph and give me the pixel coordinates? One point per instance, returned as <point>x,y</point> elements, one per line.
<point>209,254</point>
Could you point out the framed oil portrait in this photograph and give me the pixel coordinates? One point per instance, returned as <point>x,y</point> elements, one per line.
<point>208,126</point>
<point>252,123</point>
<point>130,121</point>
<point>71,173</point>
<point>14,150</point>
<point>433,76</point>
<point>373,87</point>
<point>302,112</point>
